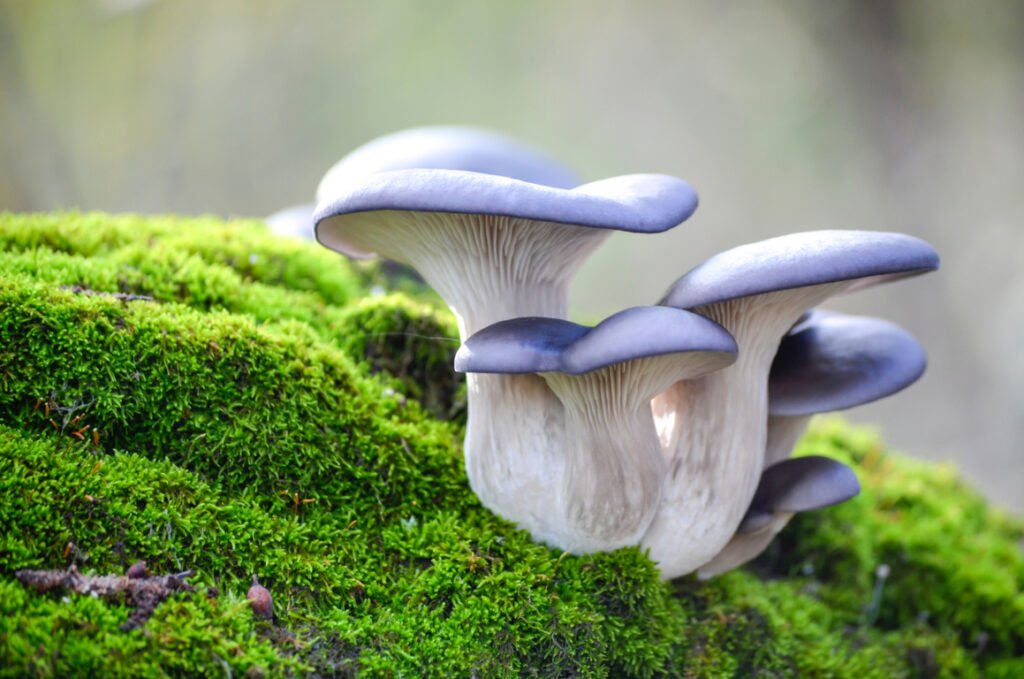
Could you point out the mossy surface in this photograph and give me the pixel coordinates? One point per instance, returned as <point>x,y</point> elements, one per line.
<point>258,409</point>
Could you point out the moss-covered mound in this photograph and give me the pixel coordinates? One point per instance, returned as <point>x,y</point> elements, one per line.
<point>206,396</point>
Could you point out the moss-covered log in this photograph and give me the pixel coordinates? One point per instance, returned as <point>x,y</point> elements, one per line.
<point>208,397</point>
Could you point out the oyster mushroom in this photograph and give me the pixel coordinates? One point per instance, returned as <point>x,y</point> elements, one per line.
<point>441,148</point>
<point>828,361</point>
<point>604,470</point>
<point>295,221</point>
<point>497,248</point>
<point>713,429</point>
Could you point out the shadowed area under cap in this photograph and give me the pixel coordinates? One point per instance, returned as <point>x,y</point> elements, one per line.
<point>799,260</point>
<point>832,361</point>
<point>528,345</point>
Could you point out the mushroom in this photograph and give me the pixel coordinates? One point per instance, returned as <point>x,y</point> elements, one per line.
<point>260,599</point>
<point>447,147</point>
<point>442,148</point>
<point>713,429</point>
<point>497,248</point>
<point>827,361</point>
<point>603,469</point>
<point>796,485</point>
<point>295,221</point>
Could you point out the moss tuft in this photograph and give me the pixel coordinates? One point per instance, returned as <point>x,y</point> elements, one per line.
<point>263,414</point>
<point>411,342</point>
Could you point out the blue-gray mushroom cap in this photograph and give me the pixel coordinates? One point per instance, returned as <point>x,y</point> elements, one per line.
<point>448,147</point>
<point>831,361</point>
<point>799,260</point>
<point>293,221</point>
<point>537,345</point>
<point>646,203</point>
<point>799,484</point>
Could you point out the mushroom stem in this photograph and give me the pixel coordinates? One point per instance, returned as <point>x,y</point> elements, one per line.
<point>784,431</point>
<point>611,484</point>
<point>511,460</point>
<point>744,547</point>
<point>714,429</point>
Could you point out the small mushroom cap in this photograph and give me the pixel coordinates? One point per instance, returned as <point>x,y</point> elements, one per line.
<point>137,570</point>
<point>799,260</point>
<point>831,361</point>
<point>260,599</point>
<point>293,221</point>
<point>448,148</point>
<point>536,345</point>
<point>645,203</point>
<point>799,484</point>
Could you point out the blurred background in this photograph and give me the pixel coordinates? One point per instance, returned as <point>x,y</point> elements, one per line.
<point>785,116</point>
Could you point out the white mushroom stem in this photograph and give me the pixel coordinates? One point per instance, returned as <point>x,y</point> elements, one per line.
<point>713,431</point>
<point>784,431</point>
<point>611,483</point>
<point>744,546</point>
<point>513,459</point>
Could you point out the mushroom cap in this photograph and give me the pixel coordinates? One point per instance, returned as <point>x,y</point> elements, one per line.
<point>448,148</point>
<point>831,361</point>
<point>261,600</point>
<point>802,259</point>
<point>646,203</point>
<point>537,345</point>
<point>799,484</point>
<point>293,221</point>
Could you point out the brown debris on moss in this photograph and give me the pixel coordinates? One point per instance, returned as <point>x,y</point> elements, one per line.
<point>260,599</point>
<point>123,296</point>
<point>144,594</point>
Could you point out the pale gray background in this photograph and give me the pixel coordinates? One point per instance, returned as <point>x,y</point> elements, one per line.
<point>784,115</point>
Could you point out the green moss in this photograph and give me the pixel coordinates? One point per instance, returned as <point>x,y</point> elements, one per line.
<point>187,636</point>
<point>243,245</point>
<point>953,561</point>
<point>411,342</point>
<point>260,415</point>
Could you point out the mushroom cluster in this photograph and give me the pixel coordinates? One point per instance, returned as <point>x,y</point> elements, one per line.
<point>667,426</point>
